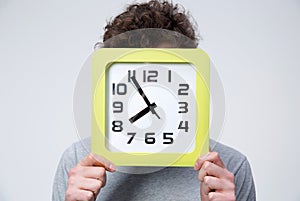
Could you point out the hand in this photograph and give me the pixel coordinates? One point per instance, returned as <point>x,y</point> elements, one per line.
<point>217,183</point>
<point>87,178</point>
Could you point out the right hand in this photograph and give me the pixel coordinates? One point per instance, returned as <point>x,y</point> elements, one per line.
<point>87,178</point>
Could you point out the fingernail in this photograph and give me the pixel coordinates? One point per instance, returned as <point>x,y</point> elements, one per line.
<point>196,166</point>
<point>112,167</point>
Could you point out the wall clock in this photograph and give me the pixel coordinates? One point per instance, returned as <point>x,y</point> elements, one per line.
<point>150,107</point>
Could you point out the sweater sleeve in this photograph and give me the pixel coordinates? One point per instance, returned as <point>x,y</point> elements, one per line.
<point>245,188</point>
<point>61,177</point>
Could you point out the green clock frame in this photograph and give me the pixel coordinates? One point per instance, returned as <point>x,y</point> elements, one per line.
<point>102,60</point>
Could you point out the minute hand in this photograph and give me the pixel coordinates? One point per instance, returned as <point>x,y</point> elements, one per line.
<point>140,90</point>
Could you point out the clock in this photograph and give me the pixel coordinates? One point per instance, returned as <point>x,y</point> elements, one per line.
<point>150,107</point>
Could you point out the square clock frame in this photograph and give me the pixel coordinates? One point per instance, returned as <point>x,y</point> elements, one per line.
<point>150,106</point>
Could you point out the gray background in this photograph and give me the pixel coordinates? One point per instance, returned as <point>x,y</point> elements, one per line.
<point>254,44</point>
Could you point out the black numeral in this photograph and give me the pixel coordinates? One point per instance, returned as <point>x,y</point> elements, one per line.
<point>117,126</point>
<point>184,125</point>
<point>183,89</point>
<point>120,89</point>
<point>169,76</point>
<point>149,139</point>
<point>183,108</point>
<point>130,74</point>
<point>150,75</point>
<point>168,139</point>
<point>131,138</point>
<point>118,107</point>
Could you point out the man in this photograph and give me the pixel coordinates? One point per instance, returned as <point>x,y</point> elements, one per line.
<point>222,174</point>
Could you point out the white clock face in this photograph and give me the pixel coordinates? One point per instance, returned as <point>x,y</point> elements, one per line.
<point>151,108</point>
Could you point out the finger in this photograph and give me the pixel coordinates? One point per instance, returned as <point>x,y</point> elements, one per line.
<point>93,185</point>
<point>212,157</point>
<point>221,196</point>
<point>82,195</point>
<point>98,176</point>
<point>95,160</point>
<point>88,172</point>
<point>213,183</point>
<point>204,190</point>
<point>211,169</point>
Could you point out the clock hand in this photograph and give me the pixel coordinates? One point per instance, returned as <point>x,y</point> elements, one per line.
<point>142,113</point>
<point>141,92</point>
<point>153,111</point>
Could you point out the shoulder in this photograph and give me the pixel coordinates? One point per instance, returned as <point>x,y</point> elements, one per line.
<point>238,164</point>
<point>71,156</point>
<point>76,152</point>
<point>232,158</point>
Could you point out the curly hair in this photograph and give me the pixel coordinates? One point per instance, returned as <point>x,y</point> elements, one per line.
<point>155,14</point>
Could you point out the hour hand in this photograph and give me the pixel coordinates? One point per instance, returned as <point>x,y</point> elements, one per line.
<point>143,112</point>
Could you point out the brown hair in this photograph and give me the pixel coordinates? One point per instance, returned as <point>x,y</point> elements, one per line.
<point>155,14</point>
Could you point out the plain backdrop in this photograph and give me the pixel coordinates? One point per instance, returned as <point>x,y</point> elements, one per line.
<point>255,46</point>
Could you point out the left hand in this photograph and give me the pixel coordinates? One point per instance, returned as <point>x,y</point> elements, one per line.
<point>217,183</point>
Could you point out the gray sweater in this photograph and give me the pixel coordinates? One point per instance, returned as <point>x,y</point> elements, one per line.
<point>172,183</point>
